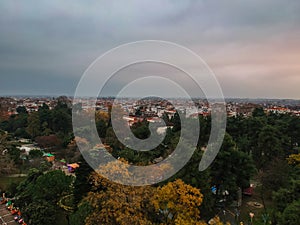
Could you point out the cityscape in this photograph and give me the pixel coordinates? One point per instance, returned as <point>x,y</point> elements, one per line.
<point>153,107</point>
<point>149,112</point>
<point>37,142</point>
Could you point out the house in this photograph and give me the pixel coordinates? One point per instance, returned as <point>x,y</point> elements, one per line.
<point>249,191</point>
<point>72,167</point>
<point>49,157</point>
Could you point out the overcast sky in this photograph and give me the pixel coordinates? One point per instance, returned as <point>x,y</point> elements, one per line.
<point>252,46</point>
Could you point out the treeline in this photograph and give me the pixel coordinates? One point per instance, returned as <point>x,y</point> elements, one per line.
<point>265,137</point>
<point>44,122</point>
<point>254,147</point>
<point>272,141</point>
<point>50,129</point>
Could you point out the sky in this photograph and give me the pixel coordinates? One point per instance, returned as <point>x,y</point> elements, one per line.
<point>252,46</point>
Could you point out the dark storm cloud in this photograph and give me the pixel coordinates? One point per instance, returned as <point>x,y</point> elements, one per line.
<point>49,44</point>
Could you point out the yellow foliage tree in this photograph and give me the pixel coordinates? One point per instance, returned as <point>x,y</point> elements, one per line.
<point>118,204</point>
<point>294,159</point>
<point>179,202</point>
<point>102,115</point>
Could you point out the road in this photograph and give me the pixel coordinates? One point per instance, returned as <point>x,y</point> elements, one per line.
<point>5,216</point>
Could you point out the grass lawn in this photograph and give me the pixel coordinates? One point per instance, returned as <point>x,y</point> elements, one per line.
<point>61,220</point>
<point>6,181</point>
<point>257,210</point>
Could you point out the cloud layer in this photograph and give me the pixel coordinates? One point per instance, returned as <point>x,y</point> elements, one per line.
<point>252,46</point>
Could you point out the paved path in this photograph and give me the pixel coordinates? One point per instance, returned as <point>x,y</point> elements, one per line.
<point>18,175</point>
<point>5,216</point>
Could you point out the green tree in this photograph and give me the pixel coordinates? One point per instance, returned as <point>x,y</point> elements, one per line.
<point>7,165</point>
<point>34,125</point>
<point>111,139</point>
<point>21,110</point>
<point>45,119</point>
<point>294,131</point>
<point>141,130</point>
<point>79,216</point>
<point>101,128</point>
<point>39,194</point>
<point>14,153</point>
<point>291,215</point>
<point>205,125</point>
<point>166,118</point>
<point>270,146</point>
<point>276,175</point>
<point>81,184</point>
<point>17,124</point>
<point>33,154</point>
<point>176,122</point>
<point>40,212</point>
<point>52,185</point>
<point>258,112</point>
<point>231,168</point>
<point>202,180</point>
<point>61,117</point>
<point>285,196</point>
